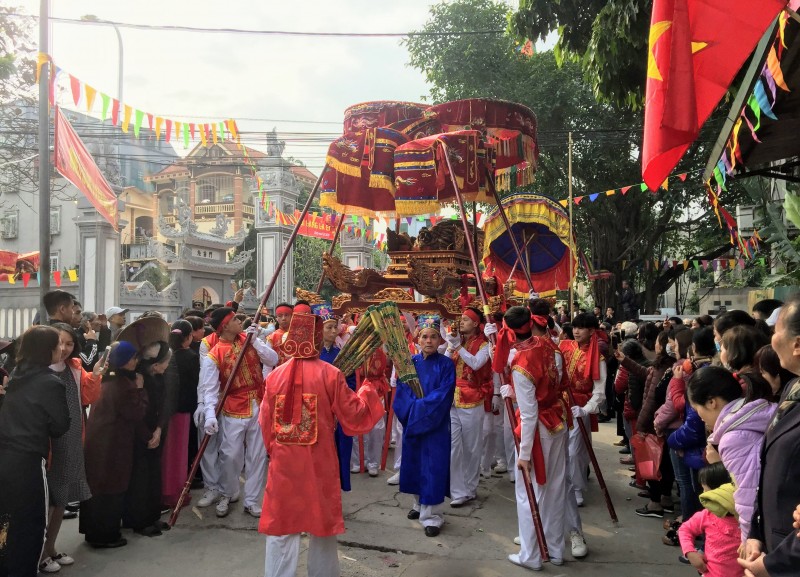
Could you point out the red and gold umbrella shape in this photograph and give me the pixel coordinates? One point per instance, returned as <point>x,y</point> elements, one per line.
<point>541,228</point>
<point>392,158</point>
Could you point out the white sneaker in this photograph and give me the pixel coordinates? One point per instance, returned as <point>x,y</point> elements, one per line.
<point>579,497</point>
<point>514,558</point>
<point>556,561</point>
<point>486,473</point>
<point>579,549</point>
<point>255,511</point>
<point>501,468</point>
<point>208,498</point>
<point>63,559</point>
<point>223,507</point>
<point>355,469</point>
<point>373,471</point>
<point>458,502</point>
<point>49,566</point>
<point>394,479</point>
<point>517,540</point>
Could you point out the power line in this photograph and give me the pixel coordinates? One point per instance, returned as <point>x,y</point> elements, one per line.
<point>253,32</point>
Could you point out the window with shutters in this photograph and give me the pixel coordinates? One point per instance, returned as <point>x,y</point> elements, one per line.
<point>9,224</point>
<point>55,220</point>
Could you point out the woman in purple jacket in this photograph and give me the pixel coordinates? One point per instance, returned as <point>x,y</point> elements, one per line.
<point>738,431</point>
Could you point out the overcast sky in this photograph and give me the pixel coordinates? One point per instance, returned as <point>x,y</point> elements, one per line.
<point>189,75</point>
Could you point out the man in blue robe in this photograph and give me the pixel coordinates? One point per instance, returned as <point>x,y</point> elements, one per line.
<point>344,443</point>
<point>425,472</point>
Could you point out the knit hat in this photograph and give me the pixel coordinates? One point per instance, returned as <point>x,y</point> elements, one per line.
<point>121,353</point>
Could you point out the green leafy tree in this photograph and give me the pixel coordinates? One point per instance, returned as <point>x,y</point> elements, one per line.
<point>608,39</point>
<point>623,234</point>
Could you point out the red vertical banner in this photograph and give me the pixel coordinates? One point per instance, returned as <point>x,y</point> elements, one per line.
<point>75,164</point>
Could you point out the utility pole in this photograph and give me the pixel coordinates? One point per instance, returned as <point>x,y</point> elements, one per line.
<point>44,159</point>
<point>571,233</point>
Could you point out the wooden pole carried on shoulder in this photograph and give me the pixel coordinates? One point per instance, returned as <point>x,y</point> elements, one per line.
<point>526,477</point>
<point>224,393</point>
<point>330,252</point>
<point>595,465</point>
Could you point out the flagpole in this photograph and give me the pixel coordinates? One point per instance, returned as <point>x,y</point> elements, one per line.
<point>44,158</point>
<point>571,232</point>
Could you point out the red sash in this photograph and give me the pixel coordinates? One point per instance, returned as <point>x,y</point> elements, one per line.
<point>248,384</point>
<point>472,386</point>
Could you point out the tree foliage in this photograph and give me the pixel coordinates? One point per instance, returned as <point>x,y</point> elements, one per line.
<point>608,39</point>
<point>620,233</point>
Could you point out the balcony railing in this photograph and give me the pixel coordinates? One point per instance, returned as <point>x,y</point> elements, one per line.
<point>213,209</point>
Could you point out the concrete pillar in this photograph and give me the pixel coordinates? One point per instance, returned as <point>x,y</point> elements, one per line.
<point>99,249</point>
<point>192,197</point>
<point>237,203</point>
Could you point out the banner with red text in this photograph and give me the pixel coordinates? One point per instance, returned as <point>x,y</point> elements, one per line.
<point>76,164</point>
<point>323,226</point>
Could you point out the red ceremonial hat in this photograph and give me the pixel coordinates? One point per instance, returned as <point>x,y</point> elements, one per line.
<point>304,337</point>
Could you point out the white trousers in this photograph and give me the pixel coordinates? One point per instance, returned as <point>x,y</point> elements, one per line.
<point>466,426</point>
<point>550,498</point>
<point>577,463</point>
<point>373,446</point>
<point>509,444</point>
<point>429,515</point>
<point>242,446</point>
<point>209,462</point>
<point>493,441</point>
<point>397,435</point>
<point>283,553</point>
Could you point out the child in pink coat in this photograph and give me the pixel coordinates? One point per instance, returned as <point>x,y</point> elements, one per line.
<point>717,520</point>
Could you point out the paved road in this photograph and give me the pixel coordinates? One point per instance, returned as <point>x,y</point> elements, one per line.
<point>381,541</point>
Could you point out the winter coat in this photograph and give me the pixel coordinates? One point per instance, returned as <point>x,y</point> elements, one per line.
<point>721,538</point>
<point>738,435</point>
<point>653,398</point>
<point>690,438</point>
<point>667,418</point>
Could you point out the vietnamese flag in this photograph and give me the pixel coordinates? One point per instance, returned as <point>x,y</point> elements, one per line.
<point>696,49</point>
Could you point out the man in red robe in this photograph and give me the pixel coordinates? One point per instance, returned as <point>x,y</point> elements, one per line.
<point>303,399</point>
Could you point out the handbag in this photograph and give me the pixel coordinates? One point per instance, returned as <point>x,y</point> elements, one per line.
<point>648,450</point>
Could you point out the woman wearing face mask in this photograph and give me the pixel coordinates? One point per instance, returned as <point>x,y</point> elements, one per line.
<point>687,443</point>
<point>657,378</point>
<point>66,477</point>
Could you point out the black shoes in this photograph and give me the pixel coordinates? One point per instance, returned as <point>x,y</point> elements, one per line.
<point>413,514</point>
<point>431,531</point>
<point>121,542</point>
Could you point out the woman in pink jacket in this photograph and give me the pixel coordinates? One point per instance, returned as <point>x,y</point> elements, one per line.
<point>738,431</point>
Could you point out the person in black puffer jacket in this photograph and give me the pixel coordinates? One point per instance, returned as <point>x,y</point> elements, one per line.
<point>34,411</point>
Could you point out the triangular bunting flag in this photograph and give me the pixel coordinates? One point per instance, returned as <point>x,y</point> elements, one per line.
<point>137,123</point>
<point>72,274</point>
<point>11,279</point>
<point>624,190</point>
<point>106,103</point>
<point>75,85</point>
<point>167,129</point>
<point>26,278</point>
<point>611,192</point>
<point>682,176</point>
<point>159,123</point>
<point>593,197</point>
<point>115,112</point>
<point>91,94</point>
<point>126,118</point>
<point>57,277</point>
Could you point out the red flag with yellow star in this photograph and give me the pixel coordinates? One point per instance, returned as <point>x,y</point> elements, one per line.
<point>696,49</point>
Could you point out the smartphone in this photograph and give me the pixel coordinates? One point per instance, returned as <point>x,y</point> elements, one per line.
<point>103,356</point>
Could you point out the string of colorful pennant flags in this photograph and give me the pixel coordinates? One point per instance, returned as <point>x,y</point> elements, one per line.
<point>57,277</point>
<point>623,190</point>
<point>128,118</point>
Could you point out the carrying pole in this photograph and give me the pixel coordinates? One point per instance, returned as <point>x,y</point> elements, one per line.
<point>330,252</point>
<point>537,521</point>
<point>507,223</point>
<point>44,159</point>
<point>571,233</point>
<point>595,465</point>
<point>224,393</point>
